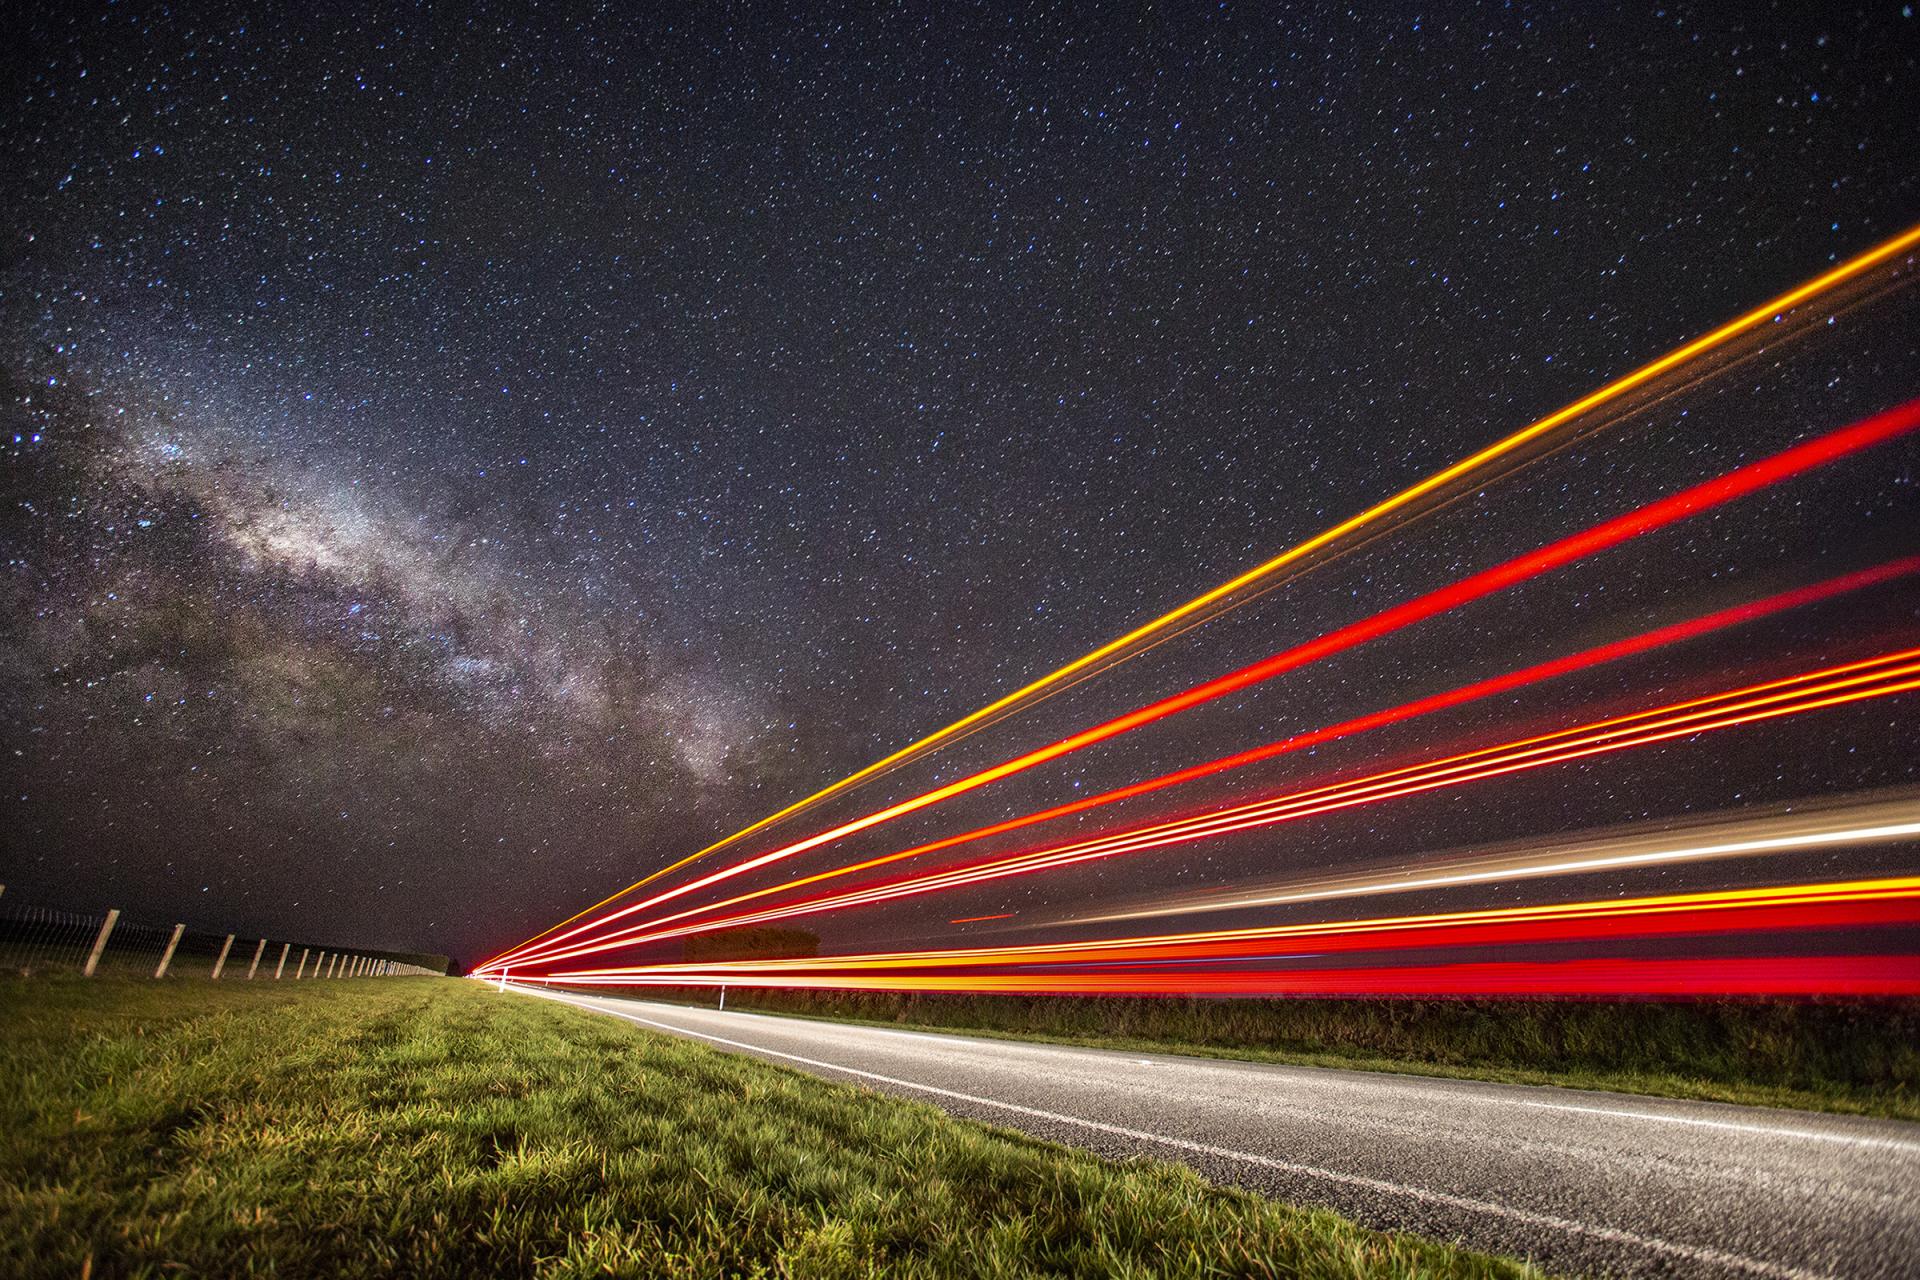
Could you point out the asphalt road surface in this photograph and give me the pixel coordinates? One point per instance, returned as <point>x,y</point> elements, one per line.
<point>1579,1182</point>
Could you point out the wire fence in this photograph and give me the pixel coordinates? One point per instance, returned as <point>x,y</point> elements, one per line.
<point>36,940</point>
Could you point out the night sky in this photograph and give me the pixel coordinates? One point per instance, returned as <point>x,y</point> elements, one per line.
<point>458,464</point>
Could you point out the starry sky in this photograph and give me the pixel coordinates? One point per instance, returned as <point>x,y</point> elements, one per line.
<point>460,460</point>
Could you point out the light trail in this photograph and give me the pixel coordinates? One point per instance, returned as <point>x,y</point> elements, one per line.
<point>1615,651</point>
<point>1810,455</point>
<point>1883,822</point>
<point>1271,813</point>
<point>1764,913</point>
<point>1685,977</point>
<point>1609,394</point>
<point>1259,940</point>
<point>1823,687</point>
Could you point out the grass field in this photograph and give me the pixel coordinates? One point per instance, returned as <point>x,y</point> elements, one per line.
<point>426,1127</point>
<point>1860,1057</point>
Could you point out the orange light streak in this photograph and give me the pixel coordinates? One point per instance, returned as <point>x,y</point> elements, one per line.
<point>1255,818</point>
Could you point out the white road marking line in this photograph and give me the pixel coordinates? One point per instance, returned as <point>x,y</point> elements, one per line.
<point>1692,1253</point>
<point>1765,1130</point>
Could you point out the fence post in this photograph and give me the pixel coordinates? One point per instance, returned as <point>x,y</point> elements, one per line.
<point>166,957</point>
<point>100,942</point>
<point>257,953</point>
<point>333,962</point>
<point>282,966</point>
<point>221,963</point>
<point>301,972</point>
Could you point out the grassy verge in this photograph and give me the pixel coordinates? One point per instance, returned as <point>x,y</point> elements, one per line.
<point>424,1127</point>
<point>1859,1058</point>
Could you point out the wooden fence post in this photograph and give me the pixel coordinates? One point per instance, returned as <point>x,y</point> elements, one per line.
<point>282,966</point>
<point>301,972</point>
<point>167,957</point>
<point>221,963</point>
<point>100,942</point>
<point>257,953</point>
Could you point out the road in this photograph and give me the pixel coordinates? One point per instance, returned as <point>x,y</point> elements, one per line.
<point>1580,1182</point>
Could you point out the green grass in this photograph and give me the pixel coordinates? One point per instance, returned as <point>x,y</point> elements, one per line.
<point>1860,1057</point>
<point>425,1127</point>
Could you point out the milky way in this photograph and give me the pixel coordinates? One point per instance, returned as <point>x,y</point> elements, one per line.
<point>457,463</point>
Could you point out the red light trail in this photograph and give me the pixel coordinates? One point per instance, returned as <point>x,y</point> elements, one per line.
<point>1826,687</point>
<point>1765,914</point>
<point>1796,975</point>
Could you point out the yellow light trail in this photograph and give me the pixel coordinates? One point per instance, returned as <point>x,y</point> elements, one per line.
<point>1880,889</point>
<point>1708,342</point>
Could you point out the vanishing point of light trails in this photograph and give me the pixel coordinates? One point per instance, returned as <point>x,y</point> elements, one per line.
<point>1807,456</point>
<point>1830,912</point>
<point>1465,469</point>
